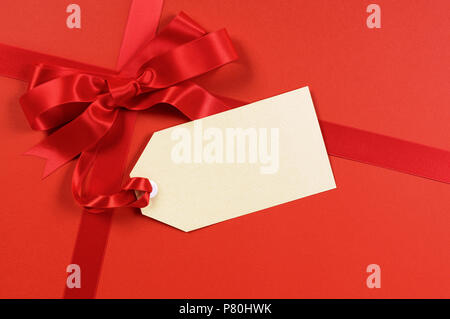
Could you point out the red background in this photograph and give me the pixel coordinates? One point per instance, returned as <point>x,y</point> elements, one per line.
<point>392,80</point>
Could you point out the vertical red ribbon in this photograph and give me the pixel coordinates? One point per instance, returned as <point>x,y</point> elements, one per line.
<point>93,231</point>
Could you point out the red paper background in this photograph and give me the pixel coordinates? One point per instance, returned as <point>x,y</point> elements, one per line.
<point>392,80</point>
<point>41,26</point>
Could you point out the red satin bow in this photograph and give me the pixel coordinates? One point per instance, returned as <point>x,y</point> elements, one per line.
<point>95,110</point>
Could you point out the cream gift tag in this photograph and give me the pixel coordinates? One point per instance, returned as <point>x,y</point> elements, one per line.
<point>236,162</point>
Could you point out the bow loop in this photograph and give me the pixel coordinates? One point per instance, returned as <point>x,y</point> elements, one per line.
<point>45,110</point>
<point>191,59</point>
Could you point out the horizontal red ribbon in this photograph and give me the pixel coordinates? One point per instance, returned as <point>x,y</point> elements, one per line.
<point>387,152</point>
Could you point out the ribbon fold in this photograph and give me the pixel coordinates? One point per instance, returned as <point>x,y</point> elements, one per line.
<point>87,109</point>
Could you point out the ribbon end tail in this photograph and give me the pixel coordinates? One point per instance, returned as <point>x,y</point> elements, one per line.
<point>48,169</point>
<point>33,152</point>
<point>50,166</point>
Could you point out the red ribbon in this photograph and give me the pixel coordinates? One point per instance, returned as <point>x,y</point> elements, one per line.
<point>89,108</point>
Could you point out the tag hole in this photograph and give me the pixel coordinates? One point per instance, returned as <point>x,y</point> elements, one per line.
<point>154,191</point>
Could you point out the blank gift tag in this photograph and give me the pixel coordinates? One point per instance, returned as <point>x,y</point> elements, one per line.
<point>237,162</point>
